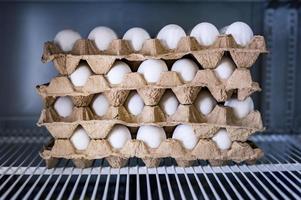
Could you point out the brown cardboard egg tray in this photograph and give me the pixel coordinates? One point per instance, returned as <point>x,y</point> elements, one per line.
<point>99,149</point>
<point>240,82</point>
<point>101,61</point>
<point>204,127</point>
<point>220,115</point>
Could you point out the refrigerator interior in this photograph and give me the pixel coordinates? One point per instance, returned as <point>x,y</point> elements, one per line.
<point>26,25</point>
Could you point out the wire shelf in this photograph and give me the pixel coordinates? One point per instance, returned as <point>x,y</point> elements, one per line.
<point>276,176</point>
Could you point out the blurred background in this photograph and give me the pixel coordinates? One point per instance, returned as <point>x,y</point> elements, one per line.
<point>26,24</point>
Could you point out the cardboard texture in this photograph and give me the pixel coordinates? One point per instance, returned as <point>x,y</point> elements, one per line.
<point>151,93</point>
<point>98,149</point>
<point>239,84</point>
<point>99,127</point>
<point>184,113</point>
<point>101,61</point>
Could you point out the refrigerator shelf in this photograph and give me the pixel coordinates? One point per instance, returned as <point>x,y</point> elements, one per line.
<point>277,175</point>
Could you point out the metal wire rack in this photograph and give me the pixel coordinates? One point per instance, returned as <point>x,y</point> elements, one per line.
<point>276,176</point>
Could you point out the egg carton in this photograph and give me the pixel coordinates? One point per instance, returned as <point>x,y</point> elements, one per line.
<point>204,127</point>
<point>220,115</point>
<point>101,61</point>
<point>99,149</point>
<point>240,82</point>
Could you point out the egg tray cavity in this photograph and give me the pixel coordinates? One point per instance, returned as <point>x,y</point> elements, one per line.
<point>98,149</point>
<point>239,82</point>
<point>101,61</point>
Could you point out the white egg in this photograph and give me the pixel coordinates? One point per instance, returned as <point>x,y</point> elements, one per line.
<point>117,72</point>
<point>170,35</point>
<point>118,136</point>
<point>151,135</point>
<point>80,139</point>
<point>102,36</point>
<point>100,105</point>
<point>169,103</point>
<point>152,69</point>
<point>66,39</point>
<point>204,102</point>
<point>63,106</point>
<point>185,134</point>
<point>137,37</point>
<point>222,139</point>
<point>225,68</point>
<point>186,68</point>
<point>241,108</point>
<point>241,32</point>
<point>134,103</point>
<point>205,33</point>
<point>80,76</point>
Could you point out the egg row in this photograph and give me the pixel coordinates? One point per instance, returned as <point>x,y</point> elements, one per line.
<point>205,33</point>
<point>240,81</point>
<point>152,136</point>
<point>98,128</point>
<point>169,103</point>
<point>151,70</point>
<point>134,147</point>
<point>101,63</point>
<point>99,149</point>
<point>220,116</point>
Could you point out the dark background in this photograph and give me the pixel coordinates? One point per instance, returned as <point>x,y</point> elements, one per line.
<point>26,25</point>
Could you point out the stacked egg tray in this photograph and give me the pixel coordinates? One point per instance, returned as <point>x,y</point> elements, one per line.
<point>239,84</point>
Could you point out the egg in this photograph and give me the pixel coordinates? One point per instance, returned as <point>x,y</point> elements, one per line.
<point>134,103</point>
<point>204,102</point>
<point>117,72</point>
<point>152,69</point>
<point>241,108</point>
<point>170,35</point>
<point>66,39</point>
<point>63,106</point>
<point>186,68</point>
<point>80,76</point>
<point>241,32</point>
<point>102,36</point>
<point>137,37</point>
<point>222,139</point>
<point>169,103</point>
<point>151,135</point>
<point>80,139</point>
<point>185,134</point>
<point>100,105</point>
<point>118,136</point>
<point>205,33</point>
<point>225,68</point>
